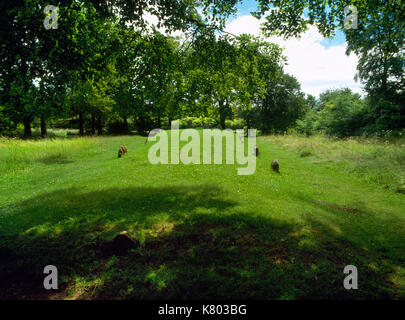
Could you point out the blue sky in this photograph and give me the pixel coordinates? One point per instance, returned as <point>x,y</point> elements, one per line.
<point>318,63</point>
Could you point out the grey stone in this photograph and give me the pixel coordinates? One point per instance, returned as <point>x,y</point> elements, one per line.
<point>275,166</point>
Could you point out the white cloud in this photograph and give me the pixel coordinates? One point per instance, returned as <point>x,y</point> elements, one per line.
<point>315,66</point>
<point>153,20</point>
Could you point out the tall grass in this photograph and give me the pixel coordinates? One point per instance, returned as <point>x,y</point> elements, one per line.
<point>18,154</point>
<point>375,160</point>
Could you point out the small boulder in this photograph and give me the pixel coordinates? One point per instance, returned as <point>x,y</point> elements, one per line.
<point>121,244</point>
<point>122,150</point>
<point>275,166</point>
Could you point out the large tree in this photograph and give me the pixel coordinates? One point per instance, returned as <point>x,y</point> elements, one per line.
<point>380,45</point>
<point>79,47</point>
<point>378,40</point>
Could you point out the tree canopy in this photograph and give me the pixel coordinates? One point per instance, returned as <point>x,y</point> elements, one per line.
<point>105,66</point>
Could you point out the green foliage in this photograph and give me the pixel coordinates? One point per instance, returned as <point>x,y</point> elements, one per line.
<point>341,113</point>
<point>235,124</point>
<point>282,104</point>
<point>378,41</point>
<point>291,18</point>
<point>105,67</point>
<point>7,126</point>
<point>380,45</point>
<point>197,122</point>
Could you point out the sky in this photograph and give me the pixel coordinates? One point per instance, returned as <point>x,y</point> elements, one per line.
<point>318,63</point>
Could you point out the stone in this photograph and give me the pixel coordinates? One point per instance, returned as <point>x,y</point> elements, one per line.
<point>275,166</point>
<point>122,150</point>
<point>121,244</point>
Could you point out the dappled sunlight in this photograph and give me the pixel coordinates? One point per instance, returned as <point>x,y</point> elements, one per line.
<point>265,236</point>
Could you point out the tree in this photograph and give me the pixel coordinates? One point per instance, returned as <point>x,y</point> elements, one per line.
<point>380,46</point>
<point>290,18</point>
<point>82,45</point>
<point>282,104</point>
<point>213,63</point>
<point>341,113</point>
<point>257,64</point>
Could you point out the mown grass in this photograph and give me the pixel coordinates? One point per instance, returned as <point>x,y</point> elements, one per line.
<point>205,232</point>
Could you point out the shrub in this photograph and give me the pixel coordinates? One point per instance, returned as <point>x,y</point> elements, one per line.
<point>235,124</point>
<point>197,122</point>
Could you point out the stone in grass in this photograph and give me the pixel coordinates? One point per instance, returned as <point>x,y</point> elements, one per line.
<point>122,150</point>
<point>275,166</point>
<point>121,244</point>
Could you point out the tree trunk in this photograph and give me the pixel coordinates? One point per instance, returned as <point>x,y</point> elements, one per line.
<point>141,125</point>
<point>222,114</point>
<point>81,124</point>
<point>99,126</point>
<point>126,127</point>
<point>384,85</point>
<point>170,122</point>
<point>44,132</point>
<point>93,124</point>
<point>159,122</point>
<point>27,128</point>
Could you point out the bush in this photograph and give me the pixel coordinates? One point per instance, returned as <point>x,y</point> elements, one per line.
<point>342,114</point>
<point>235,124</point>
<point>197,122</point>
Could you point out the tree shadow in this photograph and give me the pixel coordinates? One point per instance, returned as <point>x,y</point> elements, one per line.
<point>356,234</point>
<point>58,227</point>
<point>192,247</point>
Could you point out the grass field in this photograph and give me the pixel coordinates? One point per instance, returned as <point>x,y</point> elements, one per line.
<point>204,231</point>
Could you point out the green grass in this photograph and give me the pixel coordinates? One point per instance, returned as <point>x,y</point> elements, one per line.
<point>205,232</point>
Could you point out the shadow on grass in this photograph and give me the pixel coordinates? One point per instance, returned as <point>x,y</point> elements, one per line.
<point>356,234</point>
<point>55,159</point>
<point>192,248</point>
